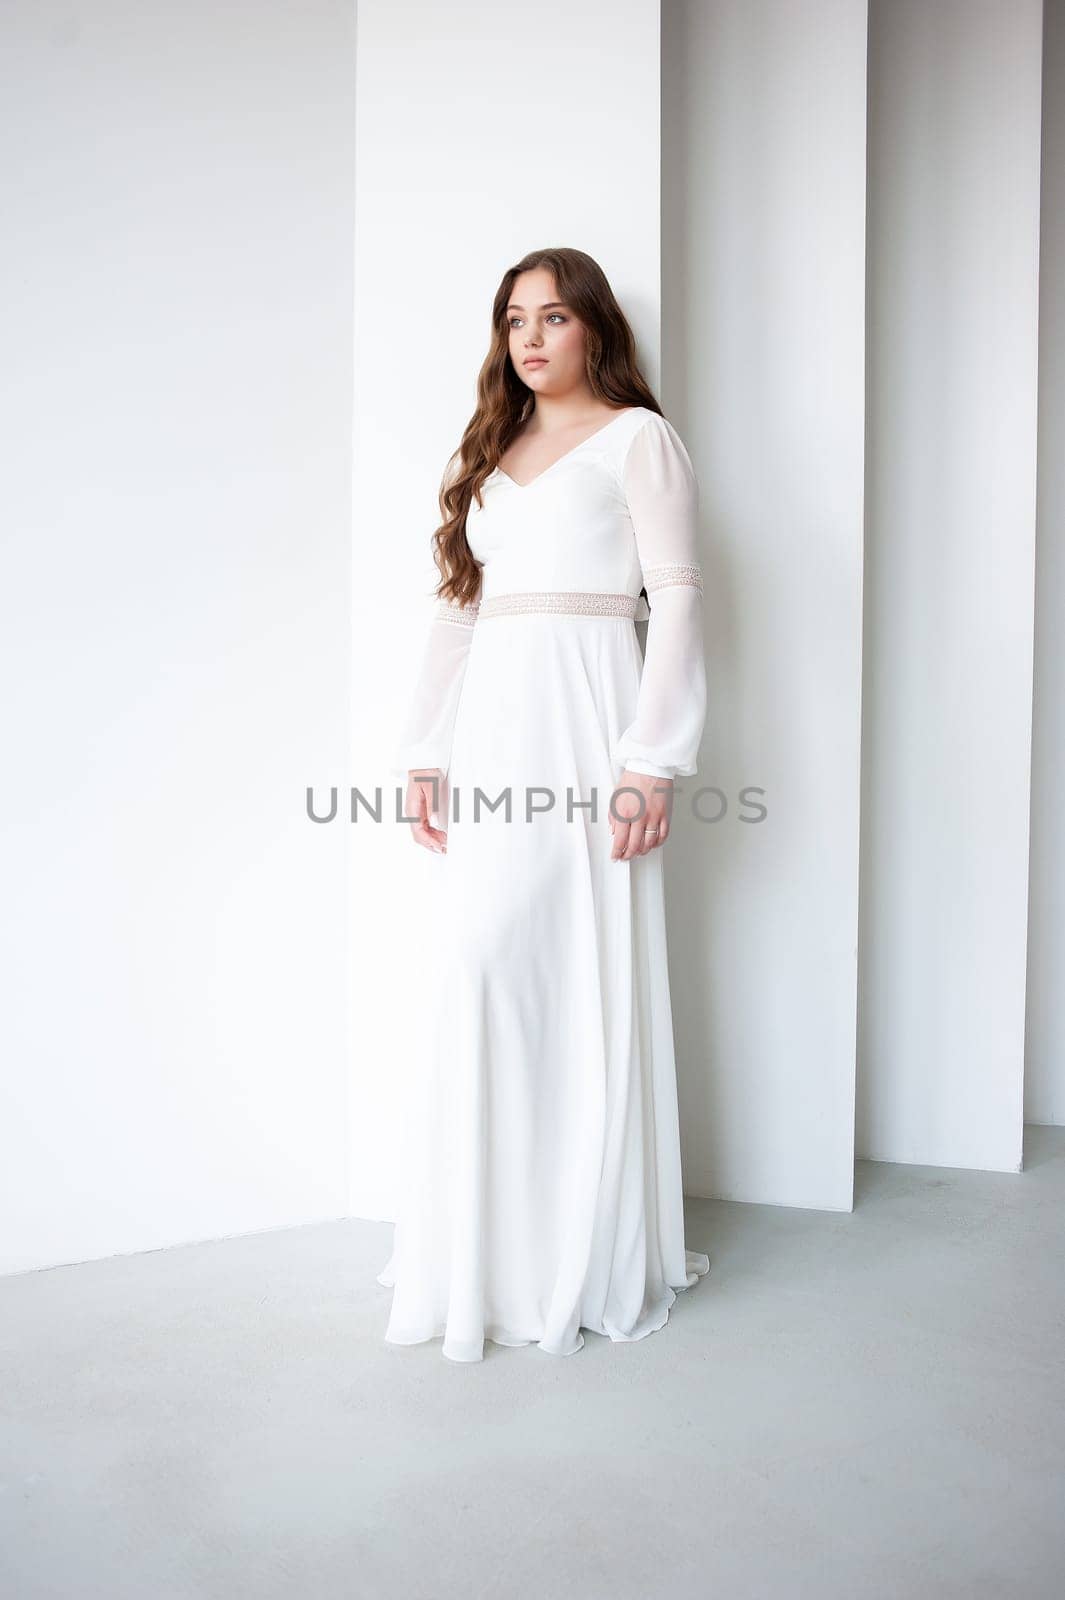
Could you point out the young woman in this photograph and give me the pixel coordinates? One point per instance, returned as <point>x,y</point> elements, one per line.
<point>543,1187</point>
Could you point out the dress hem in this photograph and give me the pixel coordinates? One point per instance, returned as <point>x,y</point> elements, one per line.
<point>698,1265</point>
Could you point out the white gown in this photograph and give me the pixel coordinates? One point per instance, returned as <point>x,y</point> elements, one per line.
<point>542,1192</point>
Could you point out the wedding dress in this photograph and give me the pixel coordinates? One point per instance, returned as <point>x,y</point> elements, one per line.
<point>542,1185</point>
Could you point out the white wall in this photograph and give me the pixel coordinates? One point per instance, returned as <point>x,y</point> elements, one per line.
<point>174,619</point>
<point>1045,1080</point>
<point>197,1039</point>
<point>764,219</point>
<point>484,131</point>
<point>950,516</point>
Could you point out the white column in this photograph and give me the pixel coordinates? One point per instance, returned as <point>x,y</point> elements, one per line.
<point>953,275</point>
<point>765,204</point>
<point>1045,1067</point>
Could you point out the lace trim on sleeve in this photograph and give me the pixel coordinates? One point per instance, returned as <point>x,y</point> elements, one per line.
<point>664,574</point>
<point>454,611</point>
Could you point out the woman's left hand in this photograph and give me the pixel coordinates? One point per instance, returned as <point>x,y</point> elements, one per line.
<point>640,822</point>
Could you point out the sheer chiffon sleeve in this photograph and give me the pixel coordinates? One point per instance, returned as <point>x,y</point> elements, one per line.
<point>662,494</point>
<point>425,742</point>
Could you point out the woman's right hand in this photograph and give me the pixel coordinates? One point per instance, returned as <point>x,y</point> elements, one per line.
<point>427,793</point>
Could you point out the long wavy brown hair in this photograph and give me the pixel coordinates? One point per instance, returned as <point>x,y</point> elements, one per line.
<point>504,402</point>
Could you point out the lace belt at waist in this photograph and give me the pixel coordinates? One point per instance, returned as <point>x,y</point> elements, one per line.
<point>579,602</point>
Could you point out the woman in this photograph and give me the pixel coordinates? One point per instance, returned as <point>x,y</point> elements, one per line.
<point>543,1189</point>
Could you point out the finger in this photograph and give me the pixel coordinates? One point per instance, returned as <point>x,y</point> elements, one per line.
<point>634,846</point>
<point>621,839</point>
<point>644,838</point>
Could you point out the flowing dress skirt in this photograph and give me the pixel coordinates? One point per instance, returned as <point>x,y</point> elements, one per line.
<point>542,1185</point>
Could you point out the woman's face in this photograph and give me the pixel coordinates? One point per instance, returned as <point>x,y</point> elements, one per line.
<point>547,332</point>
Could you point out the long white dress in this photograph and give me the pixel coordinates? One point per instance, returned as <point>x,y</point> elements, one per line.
<point>542,1192</point>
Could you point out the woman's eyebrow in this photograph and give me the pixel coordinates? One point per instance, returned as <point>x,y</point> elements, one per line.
<point>547,305</point>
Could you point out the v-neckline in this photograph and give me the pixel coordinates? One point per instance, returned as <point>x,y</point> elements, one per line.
<point>625,411</point>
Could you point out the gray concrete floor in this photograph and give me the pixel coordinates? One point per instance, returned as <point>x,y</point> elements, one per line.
<point>866,1404</point>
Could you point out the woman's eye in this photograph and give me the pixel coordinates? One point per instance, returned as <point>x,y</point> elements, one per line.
<point>554,316</point>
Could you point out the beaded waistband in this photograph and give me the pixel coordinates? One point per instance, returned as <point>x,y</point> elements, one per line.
<point>585,603</point>
<point>578,602</point>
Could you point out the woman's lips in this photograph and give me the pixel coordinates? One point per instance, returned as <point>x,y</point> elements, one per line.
<point>535,361</point>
